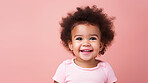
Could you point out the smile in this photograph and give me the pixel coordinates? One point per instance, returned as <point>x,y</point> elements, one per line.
<point>86,50</point>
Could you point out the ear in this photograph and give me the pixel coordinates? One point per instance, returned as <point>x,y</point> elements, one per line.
<point>70,45</point>
<point>101,46</point>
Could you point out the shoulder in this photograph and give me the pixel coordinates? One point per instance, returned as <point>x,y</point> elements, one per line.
<point>109,72</point>
<point>104,64</point>
<point>60,74</point>
<point>66,62</point>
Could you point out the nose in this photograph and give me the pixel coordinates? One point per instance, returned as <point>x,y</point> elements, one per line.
<point>86,44</point>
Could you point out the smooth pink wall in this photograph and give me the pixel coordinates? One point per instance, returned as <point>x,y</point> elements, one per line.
<point>30,49</point>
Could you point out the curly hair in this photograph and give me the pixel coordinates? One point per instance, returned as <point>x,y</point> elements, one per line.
<point>91,15</point>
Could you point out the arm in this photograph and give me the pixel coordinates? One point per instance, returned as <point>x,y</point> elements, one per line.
<point>59,76</point>
<point>55,82</point>
<point>111,75</point>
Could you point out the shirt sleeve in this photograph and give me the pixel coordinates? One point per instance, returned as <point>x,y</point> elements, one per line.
<point>60,73</point>
<point>110,74</point>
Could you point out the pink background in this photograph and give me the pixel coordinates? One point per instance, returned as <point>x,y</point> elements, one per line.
<point>30,48</point>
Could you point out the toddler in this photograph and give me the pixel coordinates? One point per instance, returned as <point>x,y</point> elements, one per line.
<point>87,33</point>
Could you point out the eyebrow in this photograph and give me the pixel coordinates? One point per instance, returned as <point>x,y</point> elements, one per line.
<point>77,35</point>
<point>89,34</point>
<point>93,35</point>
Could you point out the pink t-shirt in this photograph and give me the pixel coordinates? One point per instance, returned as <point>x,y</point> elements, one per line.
<point>69,72</point>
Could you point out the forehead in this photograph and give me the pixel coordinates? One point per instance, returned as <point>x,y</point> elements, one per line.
<point>85,29</point>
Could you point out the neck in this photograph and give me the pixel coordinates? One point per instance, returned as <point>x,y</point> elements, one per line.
<point>86,63</point>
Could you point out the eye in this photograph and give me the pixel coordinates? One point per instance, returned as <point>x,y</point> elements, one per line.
<point>79,38</point>
<point>93,38</point>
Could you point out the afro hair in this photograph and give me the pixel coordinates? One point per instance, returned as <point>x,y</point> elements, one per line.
<point>91,15</point>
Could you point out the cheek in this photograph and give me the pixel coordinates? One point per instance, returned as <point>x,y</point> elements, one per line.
<point>96,46</point>
<point>76,48</point>
<point>76,45</point>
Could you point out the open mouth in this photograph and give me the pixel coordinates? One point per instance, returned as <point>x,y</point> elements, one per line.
<point>86,50</point>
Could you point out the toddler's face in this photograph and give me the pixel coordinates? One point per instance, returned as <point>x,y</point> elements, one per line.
<point>85,42</point>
